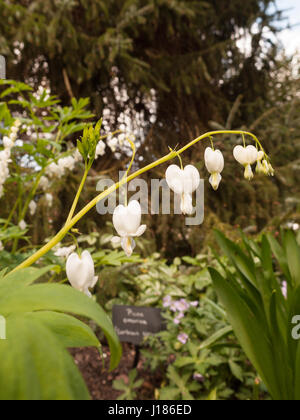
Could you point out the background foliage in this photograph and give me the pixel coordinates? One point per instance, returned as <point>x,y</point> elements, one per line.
<point>167,70</point>
<point>176,68</point>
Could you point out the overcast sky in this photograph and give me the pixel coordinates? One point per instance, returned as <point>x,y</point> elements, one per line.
<point>291,37</point>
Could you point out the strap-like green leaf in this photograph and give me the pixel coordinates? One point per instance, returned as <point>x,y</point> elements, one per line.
<point>249,331</point>
<point>293,256</point>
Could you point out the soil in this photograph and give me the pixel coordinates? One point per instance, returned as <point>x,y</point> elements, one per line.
<point>100,380</point>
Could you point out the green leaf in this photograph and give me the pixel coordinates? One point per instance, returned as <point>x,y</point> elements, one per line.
<point>54,297</point>
<point>280,255</point>
<point>215,337</point>
<point>236,370</point>
<point>249,331</point>
<point>297,373</point>
<point>35,366</point>
<point>212,396</point>
<point>22,278</point>
<point>293,256</point>
<point>244,264</point>
<point>69,330</point>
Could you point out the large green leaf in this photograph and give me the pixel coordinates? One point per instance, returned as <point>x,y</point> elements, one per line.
<point>35,366</point>
<point>69,330</point>
<point>22,278</point>
<point>280,255</point>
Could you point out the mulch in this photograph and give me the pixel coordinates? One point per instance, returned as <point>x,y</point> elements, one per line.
<point>100,380</point>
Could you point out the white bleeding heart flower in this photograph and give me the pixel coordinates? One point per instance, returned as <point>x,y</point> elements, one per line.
<point>81,272</point>
<point>214,162</point>
<point>127,222</point>
<point>271,170</point>
<point>183,182</point>
<point>267,168</point>
<point>259,167</point>
<point>246,156</point>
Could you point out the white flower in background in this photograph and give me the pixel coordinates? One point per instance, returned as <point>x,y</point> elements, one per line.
<point>67,162</point>
<point>49,199</point>
<point>53,170</point>
<point>100,149</point>
<point>293,226</point>
<point>81,272</point>
<point>5,156</point>
<point>214,162</point>
<point>183,182</point>
<point>246,156</point>
<point>64,252</point>
<point>122,138</point>
<point>112,143</point>
<point>58,169</point>
<point>127,222</point>
<point>22,225</point>
<point>32,207</point>
<point>7,142</point>
<point>77,156</point>
<point>44,183</point>
<point>259,166</point>
<point>1,246</point>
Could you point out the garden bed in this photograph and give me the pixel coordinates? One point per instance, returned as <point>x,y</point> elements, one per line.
<point>100,380</point>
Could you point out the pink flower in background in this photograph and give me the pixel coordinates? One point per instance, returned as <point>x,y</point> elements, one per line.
<point>178,318</point>
<point>183,338</point>
<point>284,289</point>
<point>198,377</point>
<point>167,301</point>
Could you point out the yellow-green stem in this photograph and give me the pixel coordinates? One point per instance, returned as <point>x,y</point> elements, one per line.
<point>31,194</point>
<point>61,234</point>
<point>11,213</point>
<point>75,202</point>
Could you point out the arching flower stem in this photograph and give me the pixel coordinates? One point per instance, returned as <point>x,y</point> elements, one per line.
<point>75,219</point>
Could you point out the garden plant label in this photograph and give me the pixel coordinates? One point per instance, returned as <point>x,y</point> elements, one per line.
<point>133,324</point>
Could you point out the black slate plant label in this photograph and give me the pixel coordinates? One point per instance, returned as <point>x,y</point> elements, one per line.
<point>133,323</point>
